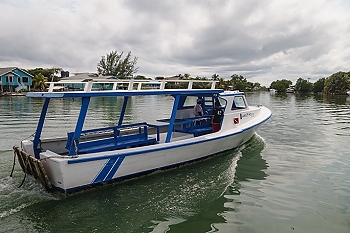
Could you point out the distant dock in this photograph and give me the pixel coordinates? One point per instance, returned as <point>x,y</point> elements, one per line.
<point>3,94</point>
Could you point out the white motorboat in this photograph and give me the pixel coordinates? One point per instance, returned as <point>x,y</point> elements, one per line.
<point>89,157</point>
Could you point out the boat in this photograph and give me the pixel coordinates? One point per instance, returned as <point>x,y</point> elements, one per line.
<point>86,158</point>
<point>291,89</point>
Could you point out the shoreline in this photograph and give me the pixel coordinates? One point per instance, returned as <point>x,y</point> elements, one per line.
<point>11,94</point>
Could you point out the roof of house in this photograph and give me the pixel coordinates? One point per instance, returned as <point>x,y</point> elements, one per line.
<point>6,70</point>
<point>85,76</point>
<point>9,69</point>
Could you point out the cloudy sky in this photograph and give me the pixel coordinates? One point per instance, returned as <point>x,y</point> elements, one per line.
<point>261,40</point>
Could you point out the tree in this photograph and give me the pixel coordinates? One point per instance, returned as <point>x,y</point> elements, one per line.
<point>337,83</point>
<point>187,76</point>
<point>239,82</point>
<point>319,85</point>
<point>39,81</point>
<point>223,84</point>
<point>139,77</point>
<point>215,77</point>
<point>113,64</point>
<point>303,85</point>
<point>256,86</point>
<point>280,85</point>
<point>50,74</point>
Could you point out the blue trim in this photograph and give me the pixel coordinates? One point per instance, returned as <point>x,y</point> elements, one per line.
<point>81,160</point>
<point>172,119</point>
<point>79,125</point>
<point>115,168</point>
<point>109,169</point>
<point>122,113</point>
<point>39,129</point>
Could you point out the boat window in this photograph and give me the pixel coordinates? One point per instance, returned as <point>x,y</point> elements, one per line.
<point>190,101</point>
<point>222,102</point>
<point>238,102</point>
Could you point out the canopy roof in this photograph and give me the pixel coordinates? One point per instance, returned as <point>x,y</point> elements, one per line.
<point>88,91</point>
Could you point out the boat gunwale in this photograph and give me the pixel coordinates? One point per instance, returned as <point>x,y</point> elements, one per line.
<point>165,146</point>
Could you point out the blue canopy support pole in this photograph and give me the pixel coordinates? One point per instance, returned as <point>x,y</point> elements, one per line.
<point>172,119</point>
<point>122,113</point>
<point>39,128</point>
<point>79,126</point>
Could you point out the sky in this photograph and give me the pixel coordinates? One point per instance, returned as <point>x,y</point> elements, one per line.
<point>261,40</point>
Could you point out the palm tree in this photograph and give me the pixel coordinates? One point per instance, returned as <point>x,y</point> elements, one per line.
<point>215,77</point>
<point>39,81</point>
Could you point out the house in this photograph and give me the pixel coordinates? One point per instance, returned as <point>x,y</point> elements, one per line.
<point>103,82</point>
<point>13,79</point>
<point>84,77</point>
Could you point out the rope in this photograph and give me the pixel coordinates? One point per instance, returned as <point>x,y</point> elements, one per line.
<point>24,178</point>
<point>14,162</point>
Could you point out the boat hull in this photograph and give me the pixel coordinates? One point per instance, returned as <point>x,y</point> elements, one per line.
<point>91,157</point>
<point>73,174</point>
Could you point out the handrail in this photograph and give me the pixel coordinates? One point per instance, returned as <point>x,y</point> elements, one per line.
<point>87,86</point>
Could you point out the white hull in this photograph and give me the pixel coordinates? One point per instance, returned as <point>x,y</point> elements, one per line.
<point>70,174</point>
<point>135,161</point>
<point>91,157</point>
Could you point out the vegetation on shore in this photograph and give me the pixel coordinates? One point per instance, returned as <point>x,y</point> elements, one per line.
<point>337,83</point>
<point>113,64</point>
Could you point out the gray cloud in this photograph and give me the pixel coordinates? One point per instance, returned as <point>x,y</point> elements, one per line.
<point>262,41</point>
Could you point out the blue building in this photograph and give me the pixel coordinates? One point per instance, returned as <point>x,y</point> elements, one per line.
<point>13,79</point>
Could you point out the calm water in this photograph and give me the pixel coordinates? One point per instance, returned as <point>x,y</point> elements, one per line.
<point>291,177</point>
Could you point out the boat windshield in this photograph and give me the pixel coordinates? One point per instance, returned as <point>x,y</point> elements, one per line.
<point>238,103</point>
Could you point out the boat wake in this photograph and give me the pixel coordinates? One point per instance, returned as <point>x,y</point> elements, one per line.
<point>12,211</point>
<point>15,199</point>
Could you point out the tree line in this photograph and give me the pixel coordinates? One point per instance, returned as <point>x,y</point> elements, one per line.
<point>337,83</point>
<point>114,64</point>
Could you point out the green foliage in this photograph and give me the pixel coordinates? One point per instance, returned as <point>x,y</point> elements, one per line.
<point>337,83</point>
<point>141,77</point>
<point>319,85</point>
<point>280,85</point>
<point>215,77</point>
<point>113,64</point>
<point>223,84</point>
<point>50,74</point>
<point>303,85</point>
<point>39,81</point>
<point>239,82</point>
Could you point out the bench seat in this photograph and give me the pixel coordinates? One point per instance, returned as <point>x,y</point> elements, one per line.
<point>202,131</point>
<point>112,144</point>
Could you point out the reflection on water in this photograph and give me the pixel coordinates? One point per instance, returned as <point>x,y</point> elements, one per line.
<point>248,165</point>
<point>206,189</point>
<point>295,177</point>
<point>333,99</point>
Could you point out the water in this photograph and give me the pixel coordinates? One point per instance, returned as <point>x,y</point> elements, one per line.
<point>293,176</point>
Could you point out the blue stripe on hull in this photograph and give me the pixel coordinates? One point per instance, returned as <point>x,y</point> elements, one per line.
<point>109,169</point>
<point>114,168</point>
<point>88,186</point>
